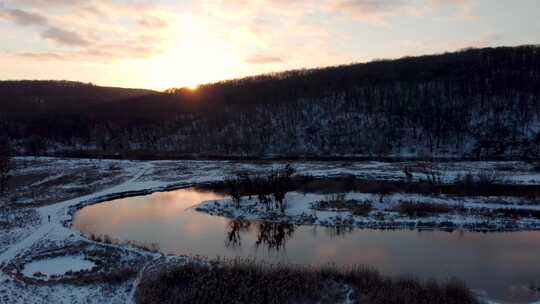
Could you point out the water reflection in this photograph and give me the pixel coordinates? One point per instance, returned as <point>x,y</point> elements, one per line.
<point>339,230</point>
<point>233,230</point>
<point>501,264</point>
<point>271,236</point>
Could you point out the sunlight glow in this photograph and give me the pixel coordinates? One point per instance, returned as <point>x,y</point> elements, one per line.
<point>195,57</point>
<point>163,44</point>
<point>192,87</point>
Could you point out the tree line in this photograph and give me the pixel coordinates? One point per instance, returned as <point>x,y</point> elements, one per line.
<point>475,103</point>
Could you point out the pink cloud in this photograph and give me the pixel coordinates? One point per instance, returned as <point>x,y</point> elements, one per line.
<point>65,37</point>
<point>22,17</point>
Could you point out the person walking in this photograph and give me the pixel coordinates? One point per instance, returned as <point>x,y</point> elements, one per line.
<point>49,218</point>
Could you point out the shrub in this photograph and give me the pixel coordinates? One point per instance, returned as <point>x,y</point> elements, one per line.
<point>114,167</point>
<point>517,213</point>
<point>421,209</point>
<point>281,184</point>
<point>234,189</point>
<point>362,208</point>
<point>274,185</point>
<point>466,180</point>
<point>489,177</point>
<point>482,179</point>
<point>431,173</point>
<point>337,201</point>
<point>6,164</point>
<point>245,281</point>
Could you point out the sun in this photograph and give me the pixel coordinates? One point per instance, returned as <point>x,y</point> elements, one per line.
<point>192,63</point>
<point>192,87</point>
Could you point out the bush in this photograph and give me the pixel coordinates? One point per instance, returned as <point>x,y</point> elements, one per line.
<point>6,164</point>
<point>245,281</point>
<point>489,177</point>
<point>362,208</point>
<point>431,173</point>
<point>421,209</point>
<point>335,199</point>
<point>482,179</point>
<point>114,167</point>
<point>517,213</point>
<point>234,187</point>
<point>274,185</point>
<point>338,201</point>
<point>280,181</point>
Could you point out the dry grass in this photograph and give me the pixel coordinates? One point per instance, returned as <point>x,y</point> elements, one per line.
<point>421,209</point>
<point>38,182</point>
<point>513,213</point>
<point>340,203</point>
<point>485,183</point>
<point>240,281</point>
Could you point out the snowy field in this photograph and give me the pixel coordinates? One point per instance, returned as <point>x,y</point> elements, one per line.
<point>44,269</point>
<point>470,213</point>
<point>44,192</point>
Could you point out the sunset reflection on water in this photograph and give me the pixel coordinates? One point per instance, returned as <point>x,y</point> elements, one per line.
<point>501,264</point>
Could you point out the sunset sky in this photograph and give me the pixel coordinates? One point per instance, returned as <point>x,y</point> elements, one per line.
<point>162,44</point>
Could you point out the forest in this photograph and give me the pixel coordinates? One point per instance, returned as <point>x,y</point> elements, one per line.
<point>474,104</point>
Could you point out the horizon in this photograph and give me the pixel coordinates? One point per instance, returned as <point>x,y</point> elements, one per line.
<point>173,45</point>
<point>196,86</point>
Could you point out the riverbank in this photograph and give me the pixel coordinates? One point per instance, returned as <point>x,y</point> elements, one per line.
<point>395,211</point>
<point>45,192</point>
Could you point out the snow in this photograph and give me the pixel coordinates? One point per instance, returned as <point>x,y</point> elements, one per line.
<point>300,210</point>
<point>149,176</point>
<point>57,266</point>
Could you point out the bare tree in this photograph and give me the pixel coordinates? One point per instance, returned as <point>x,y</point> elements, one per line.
<point>35,146</point>
<point>408,174</point>
<point>234,186</point>
<point>6,165</point>
<point>431,172</point>
<point>281,184</point>
<point>263,189</point>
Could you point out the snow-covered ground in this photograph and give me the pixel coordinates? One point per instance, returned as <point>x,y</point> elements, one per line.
<point>56,266</point>
<point>472,213</point>
<point>48,190</point>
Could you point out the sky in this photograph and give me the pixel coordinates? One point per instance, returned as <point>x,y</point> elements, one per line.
<point>162,44</point>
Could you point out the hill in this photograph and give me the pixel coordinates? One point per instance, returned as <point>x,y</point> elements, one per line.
<point>27,99</point>
<point>475,103</point>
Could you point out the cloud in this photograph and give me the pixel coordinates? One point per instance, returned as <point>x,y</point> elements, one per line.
<point>104,30</point>
<point>372,11</point>
<point>100,53</point>
<point>370,7</point>
<point>152,22</point>
<point>22,17</point>
<point>453,2</point>
<point>47,3</point>
<point>40,56</point>
<point>65,37</point>
<point>263,59</point>
<point>54,33</point>
<point>467,8</point>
